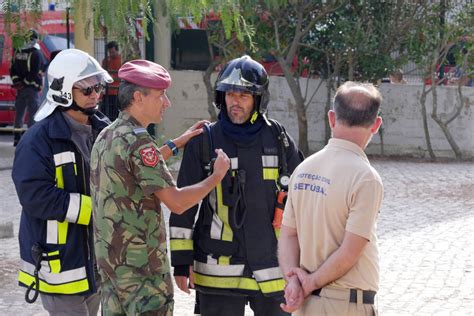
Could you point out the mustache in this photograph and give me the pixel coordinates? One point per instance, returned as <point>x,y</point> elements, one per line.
<point>236,107</point>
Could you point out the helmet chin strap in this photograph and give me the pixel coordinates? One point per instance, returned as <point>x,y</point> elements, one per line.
<point>88,112</point>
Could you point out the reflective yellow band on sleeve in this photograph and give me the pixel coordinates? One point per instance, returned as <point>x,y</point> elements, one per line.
<point>65,288</point>
<point>270,173</point>
<point>54,265</point>
<point>59,177</point>
<point>226,282</point>
<point>272,286</point>
<point>85,211</point>
<point>181,244</point>
<point>62,232</point>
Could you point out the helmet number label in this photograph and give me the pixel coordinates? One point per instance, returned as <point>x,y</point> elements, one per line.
<point>66,95</point>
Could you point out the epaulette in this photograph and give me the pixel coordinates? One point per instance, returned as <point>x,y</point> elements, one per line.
<point>139,130</point>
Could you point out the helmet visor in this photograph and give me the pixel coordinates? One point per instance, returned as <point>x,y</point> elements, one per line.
<point>236,82</point>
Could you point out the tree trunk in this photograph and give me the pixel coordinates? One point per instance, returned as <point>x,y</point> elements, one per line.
<point>327,128</point>
<point>424,117</point>
<point>206,78</point>
<point>444,125</point>
<point>300,106</point>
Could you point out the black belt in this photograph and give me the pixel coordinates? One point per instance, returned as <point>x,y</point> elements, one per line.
<point>367,296</point>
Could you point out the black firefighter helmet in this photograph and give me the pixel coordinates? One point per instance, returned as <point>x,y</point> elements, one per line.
<point>245,75</point>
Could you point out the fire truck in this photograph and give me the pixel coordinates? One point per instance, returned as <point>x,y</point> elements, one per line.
<point>53,30</point>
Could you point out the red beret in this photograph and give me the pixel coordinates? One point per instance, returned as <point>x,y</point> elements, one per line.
<point>145,74</point>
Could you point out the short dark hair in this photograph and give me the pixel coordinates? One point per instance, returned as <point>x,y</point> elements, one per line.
<point>357,104</point>
<point>112,44</point>
<point>125,93</point>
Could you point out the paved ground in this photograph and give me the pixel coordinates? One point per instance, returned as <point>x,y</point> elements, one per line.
<point>425,234</point>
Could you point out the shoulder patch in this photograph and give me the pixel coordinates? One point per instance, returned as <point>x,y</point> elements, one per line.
<point>149,156</point>
<point>139,130</point>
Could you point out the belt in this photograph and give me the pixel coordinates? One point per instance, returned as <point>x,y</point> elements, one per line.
<point>367,296</point>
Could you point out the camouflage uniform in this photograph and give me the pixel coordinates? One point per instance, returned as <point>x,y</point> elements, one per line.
<point>130,236</point>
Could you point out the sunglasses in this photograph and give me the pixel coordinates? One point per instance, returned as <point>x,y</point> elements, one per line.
<point>88,91</point>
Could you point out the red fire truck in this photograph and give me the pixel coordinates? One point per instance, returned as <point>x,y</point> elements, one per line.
<point>52,28</point>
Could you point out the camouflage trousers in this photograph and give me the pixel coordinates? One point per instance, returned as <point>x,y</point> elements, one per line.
<point>138,296</point>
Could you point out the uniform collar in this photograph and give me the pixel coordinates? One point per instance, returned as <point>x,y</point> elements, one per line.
<point>347,145</point>
<point>123,115</point>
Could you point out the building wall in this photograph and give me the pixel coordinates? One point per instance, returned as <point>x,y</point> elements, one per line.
<point>402,129</point>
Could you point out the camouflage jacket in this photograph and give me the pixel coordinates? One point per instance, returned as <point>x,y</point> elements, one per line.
<point>129,228</point>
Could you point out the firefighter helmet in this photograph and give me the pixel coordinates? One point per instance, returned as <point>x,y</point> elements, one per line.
<point>68,68</point>
<point>246,75</point>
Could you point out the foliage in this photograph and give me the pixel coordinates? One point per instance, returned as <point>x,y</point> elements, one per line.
<point>120,20</point>
<point>19,17</point>
<point>230,13</point>
<point>363,40</point>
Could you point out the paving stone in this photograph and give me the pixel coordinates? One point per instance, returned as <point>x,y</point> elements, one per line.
<point>425,233</point>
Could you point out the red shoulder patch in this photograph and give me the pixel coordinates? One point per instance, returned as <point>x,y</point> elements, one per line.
<point>149,156</point>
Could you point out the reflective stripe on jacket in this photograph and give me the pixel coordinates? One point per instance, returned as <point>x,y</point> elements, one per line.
<point>52,182</point>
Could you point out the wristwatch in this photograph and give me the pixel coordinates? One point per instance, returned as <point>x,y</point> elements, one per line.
<point>172,146</point>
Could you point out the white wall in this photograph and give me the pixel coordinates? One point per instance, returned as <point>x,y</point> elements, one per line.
<point>403,127</point>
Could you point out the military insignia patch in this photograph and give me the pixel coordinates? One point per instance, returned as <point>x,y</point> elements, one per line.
<point>149,156</point>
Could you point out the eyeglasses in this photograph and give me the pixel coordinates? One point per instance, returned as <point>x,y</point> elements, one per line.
<point>88,91</point>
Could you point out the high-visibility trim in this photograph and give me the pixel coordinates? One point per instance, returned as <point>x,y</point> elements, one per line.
<point>268,274</point>
<point>54,278</point>
<point>28,62</point>
<point>44,287</point>
<point>75,169</point>
<point>219,270</point>
<point>73,207</point>
<point>226,282</point>
<point>62,232</point>
<point>54,265</point>
<point>56,232</point>
<point>64,158</point>
<point>85,211</point>
<point>269,161</point>
<point>234,163</point>
<point>277,232</point>
<point>216,227</point>
<point>51,232</point>
<point>181,244</point>
<point>224,260</point>
<point>211,260</point>
<point>59,177</point>
<point>181,233</point>
<point>223,212</point>
<point>272,286</point>
<point>270,173</point>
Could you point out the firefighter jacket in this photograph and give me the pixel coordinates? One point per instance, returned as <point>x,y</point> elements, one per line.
<point>52,182</point>
<point>26,68</point>
<point>233,245</point>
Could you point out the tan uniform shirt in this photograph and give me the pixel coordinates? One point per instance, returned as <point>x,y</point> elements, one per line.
<point>333,191</point>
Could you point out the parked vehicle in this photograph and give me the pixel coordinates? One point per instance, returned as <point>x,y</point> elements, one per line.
<point>53,36</point>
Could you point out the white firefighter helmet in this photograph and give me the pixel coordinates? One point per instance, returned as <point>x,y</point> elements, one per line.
<point>67,68</point>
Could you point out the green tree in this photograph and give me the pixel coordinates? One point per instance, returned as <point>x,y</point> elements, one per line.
<point>19,17</point>
<point>363,41</point>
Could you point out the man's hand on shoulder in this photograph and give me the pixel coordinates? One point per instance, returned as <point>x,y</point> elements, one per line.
<point>194,130</point>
